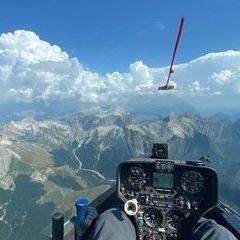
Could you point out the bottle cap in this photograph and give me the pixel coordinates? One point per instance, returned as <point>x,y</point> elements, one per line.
<point>81,202</point>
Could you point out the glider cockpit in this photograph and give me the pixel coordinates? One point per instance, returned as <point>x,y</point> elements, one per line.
<point>166,198</point>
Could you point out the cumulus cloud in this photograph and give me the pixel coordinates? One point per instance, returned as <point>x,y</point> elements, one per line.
<point>223,77</point>
<point>211,74</point>
<point>142,78</point>
<point>195,88</point>
<point>34,70</point>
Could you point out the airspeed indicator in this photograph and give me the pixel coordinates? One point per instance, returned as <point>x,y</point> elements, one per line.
<point>136,178</point>
<point>192,182</point>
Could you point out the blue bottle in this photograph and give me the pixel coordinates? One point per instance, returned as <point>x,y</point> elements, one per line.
<point>81,209</point>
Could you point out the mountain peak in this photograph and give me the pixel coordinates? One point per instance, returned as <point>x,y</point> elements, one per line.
<point>25,123</point>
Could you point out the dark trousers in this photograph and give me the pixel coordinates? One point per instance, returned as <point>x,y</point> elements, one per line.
<point>114,224</point>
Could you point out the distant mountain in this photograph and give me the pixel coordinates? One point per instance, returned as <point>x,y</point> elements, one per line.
<point>140,107</point>
<point>222,112</point>
<point>59,160</point>
<point>222,117</point>
<point>157,106</point>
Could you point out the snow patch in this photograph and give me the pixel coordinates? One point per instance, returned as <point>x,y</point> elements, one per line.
<point>6,142</point>
<point>38,177</point>
<point>104,130</point>
<point>7,183</point>
<point>136,128</point>
<point>177,131</point>
<point>5,161</point>
<point>13,154</point>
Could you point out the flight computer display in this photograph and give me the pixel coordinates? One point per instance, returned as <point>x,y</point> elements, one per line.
<point>163,180</point>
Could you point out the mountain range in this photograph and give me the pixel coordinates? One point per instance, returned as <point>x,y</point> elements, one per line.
<point>46,165</point>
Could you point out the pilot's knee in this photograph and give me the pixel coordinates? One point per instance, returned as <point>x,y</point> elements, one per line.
<point>209,229</point>
<point>112,215</point>
<point>113,224</point>
<point>115,217</point>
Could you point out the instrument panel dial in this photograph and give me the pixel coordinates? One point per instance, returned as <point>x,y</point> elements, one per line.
<point>136,178</point>
<point>192,182</point>
<point>152,217</point>
<point>174,219</point>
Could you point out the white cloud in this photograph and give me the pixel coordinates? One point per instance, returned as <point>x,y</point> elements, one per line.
<point>223,77</point>
<point>34,70</point>
<point>27,48</point>
<point>211,74</point>
<point>142,79</point>
<point>227,77</point>
<point>195,88</point>
<point>19,94</point>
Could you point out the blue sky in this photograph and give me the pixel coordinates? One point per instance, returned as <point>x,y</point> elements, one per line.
<point>108,35</point>
<point>109,51</point>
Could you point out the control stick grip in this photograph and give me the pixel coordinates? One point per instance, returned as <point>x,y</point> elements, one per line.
<point>131,207</point>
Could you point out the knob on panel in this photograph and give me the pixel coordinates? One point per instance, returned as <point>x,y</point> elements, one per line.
<point>172,236</point>
<point>131,207</point>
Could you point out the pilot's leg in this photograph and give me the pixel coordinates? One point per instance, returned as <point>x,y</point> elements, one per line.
<point>208,229</point>
<point>113,224</point>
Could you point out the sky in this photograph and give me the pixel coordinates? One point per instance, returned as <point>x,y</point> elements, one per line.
<point>101,51</point>
<point>109,35</point>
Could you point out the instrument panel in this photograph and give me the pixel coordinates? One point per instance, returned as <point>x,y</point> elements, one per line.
<point>170,195</point>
